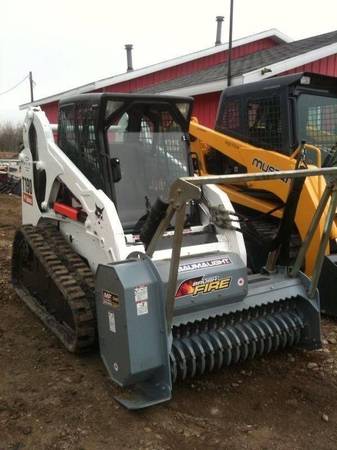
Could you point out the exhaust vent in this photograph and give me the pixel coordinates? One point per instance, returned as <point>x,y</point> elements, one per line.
<point>219,20</point>
<point>128,48</point>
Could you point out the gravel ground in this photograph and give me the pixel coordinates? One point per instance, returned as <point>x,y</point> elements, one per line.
<point>50,399</point>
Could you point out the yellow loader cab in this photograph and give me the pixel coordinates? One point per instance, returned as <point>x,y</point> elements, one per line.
<point>278,113</point>
<point>265,126</point>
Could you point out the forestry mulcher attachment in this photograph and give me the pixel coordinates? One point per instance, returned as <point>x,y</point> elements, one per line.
<point>120,241</point>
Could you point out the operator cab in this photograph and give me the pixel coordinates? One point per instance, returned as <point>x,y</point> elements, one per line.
<point>278,114</point>
<point>133,147</point>
<point>149,141</point>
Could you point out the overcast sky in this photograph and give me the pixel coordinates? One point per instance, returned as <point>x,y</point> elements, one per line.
<point>66,43</point>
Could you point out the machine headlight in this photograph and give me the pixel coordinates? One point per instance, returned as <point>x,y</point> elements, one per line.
<point>305,80</point>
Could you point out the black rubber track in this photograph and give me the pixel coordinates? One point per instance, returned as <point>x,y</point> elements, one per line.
<point>52,259</point>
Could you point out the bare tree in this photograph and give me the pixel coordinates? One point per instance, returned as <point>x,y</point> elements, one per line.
<point>10,137</point>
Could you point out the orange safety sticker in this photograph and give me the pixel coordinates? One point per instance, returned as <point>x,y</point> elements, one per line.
<point>27,198</point>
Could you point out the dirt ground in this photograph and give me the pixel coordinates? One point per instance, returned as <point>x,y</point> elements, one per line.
<point>50,399</point>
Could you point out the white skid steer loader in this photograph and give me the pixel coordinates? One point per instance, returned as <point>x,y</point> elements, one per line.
<point>113,249</point>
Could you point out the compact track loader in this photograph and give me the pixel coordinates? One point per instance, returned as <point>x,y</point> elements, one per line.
<point>120,244</point>
<point>277,124</point>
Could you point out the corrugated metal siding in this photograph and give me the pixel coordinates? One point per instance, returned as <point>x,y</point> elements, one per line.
<point>324,66</point>
<point>205,108</point>
<point>189,67</point>
<point>51,110</point>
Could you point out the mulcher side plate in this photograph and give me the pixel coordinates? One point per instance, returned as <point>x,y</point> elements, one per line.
<point>132,331</point>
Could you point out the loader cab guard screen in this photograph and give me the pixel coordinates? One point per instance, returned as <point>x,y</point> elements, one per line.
<point>317,123</point>
<point>257,118</point>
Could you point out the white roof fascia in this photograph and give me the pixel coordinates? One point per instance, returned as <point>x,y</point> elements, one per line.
<point>160,66</point>
<point>55,98</point>
<point>290,63</point>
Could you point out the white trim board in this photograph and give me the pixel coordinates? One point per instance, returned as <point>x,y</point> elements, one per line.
<point>290,63</point>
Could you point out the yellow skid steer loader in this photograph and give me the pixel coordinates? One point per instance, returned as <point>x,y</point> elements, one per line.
<point>282,123</point>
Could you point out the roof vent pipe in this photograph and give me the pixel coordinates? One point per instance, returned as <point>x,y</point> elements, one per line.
<point>219,20</point>
<point>128,48</point>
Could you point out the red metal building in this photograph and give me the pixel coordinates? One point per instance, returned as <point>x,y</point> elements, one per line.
<point>203,74</point>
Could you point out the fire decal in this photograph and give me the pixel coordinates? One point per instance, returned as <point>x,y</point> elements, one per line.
<point>201,285</point>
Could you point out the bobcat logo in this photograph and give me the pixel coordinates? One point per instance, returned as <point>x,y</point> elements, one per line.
<point>99,212</point>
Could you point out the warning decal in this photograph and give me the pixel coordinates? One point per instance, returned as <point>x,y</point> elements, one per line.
<point>110,299</point>
<point>142,308</point>
<point>141,299</point>
<point>27,190</point>
<point>112,322</point>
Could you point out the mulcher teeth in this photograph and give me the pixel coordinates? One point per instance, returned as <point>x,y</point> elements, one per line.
<point>209,345</point>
